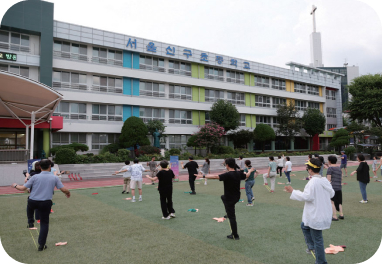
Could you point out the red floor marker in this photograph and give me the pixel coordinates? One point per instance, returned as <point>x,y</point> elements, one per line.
<point>80,176</point>
<point>242,188</point>
<point>75,174</point>
<point>94,193</point>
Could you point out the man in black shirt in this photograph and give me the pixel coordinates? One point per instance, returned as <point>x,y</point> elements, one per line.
<point>192,167</point>
<point>231,180</point>
<point>165,177</point>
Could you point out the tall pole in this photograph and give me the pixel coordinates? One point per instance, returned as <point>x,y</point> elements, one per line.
<point>32,135</point>
<point>26,138</point>
<point>314,8</point>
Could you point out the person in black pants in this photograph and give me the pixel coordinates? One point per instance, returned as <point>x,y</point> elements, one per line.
<point>192,167</point>
<point>231,180</point>
<point>165,177</point>
<point>41,198</point>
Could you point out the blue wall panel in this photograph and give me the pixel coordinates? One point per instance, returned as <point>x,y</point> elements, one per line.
<point>127,86</point>
<point>136,87</point>
<point>126,112</point>
<point>136,111</point>
<point>130,57</point>
<point>135,60</point>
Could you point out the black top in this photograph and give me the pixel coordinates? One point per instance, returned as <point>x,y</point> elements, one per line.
<point>192,167</point>
<point>363,172</point>
<point>165,179</point>
<point>231,181</point>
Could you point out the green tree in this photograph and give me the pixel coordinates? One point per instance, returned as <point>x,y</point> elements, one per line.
<point>263,133</point>
<point>340,138</point>
<point>191,142</point>
<point>289,122</point>
<point>209,136</point>
<point>357,130</point>
<point>225,114</point>
<point>240,137</point>
<point>313,121</point>
<point>152,125</point>
<point>134,132</point>
<point>366,103</point>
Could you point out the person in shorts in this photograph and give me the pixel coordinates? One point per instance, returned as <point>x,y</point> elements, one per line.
<point>136,178</point>
<point>334,176</point>
<point>153,168</point>
<point>126,177</point>
<point>205,170</point>
<point>344,162</point>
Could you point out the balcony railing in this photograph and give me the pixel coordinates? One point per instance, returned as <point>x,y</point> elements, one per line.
<point>214,77</point>
<point>234,80</point>
<point>152,68</point>
<point>180,72</point>
<point>152,93</point>
<point>75,86</point>
<point>14,47</point>
<point>106,118</point>
<point>107,61</point>
<point>106,89</point>
<point>71,56</point>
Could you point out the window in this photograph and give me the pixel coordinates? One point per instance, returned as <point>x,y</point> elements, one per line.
<point>107,112</point>
<point>262,101</point>
<point>208,119</point>
<point>14,41</point>
<point>3,67</point>
<point>151,89</point>
<point>331,112</point>
<point>242,120</point>
<point>180,117</point>
<point>330,126</point>
<point>262,81</point>
<point>178,141</point>
<point>151,63</point>
<point>330,94</point>
<point>68,138</point>
<point>313,105</point>
<point>299,88</point>
<point>236,98</point>
<point>148,114</point>
<point>213,73</point>
<point>107,56</point>
<point>177,67</point>
<point>12,140</point>
<point>107,84</point>
<point>276,101</point>
<point>235,77</point>
<point>24,71</point>
<point>300,105</point>
<point>313,90</point>
<point>275,122</point>
<point>68,110</point>
<point>278,84</point>
<point>71,80</point>
<point>263,120</point>
<point>99,141</point>
<point>180,92</point>
<point>213,95</point>
<point>67,50</point>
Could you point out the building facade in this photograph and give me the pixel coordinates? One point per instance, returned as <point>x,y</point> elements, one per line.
<point>107,77</point>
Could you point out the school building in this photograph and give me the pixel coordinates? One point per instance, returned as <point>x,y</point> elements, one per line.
<point>106,77</point>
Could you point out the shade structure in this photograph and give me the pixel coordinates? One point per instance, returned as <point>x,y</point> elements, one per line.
<point>25,99</point>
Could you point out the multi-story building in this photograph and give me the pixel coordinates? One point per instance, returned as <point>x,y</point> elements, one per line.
<point>107,77</point>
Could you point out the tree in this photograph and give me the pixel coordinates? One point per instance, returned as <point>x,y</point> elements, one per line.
<point>240,137</point>
<point>289,122</point>
<point>134,132</point>
<point>209,135</point>
<point>263,133</point>
<point>340,138</point>
<point>357,130</point>
<point>152,125</point>
<point>366,101</point>
<point>191,142</point>
<point>313,121</point>
<point>225,114</point>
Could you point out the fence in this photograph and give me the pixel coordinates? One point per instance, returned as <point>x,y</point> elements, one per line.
<point>14,155</point>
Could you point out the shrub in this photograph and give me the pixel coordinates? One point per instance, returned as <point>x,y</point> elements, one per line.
<point>110,158</point>
<point>123,153</point>
<point>82,159</point>
<point>112,148</point>
<point>99,158</point>
<point>75,146</point>
<point>174,152</point>
<point>222,150</point>
<point>349,151</point>
<point>65,156</point>
<point>149,150</point>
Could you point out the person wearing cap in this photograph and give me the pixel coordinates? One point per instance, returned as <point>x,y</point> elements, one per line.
<point>41,198</point>
<point>344,163</point>
<point>317,214</point>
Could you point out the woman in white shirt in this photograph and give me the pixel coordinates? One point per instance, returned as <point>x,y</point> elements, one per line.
<point>280,165</point>
<point>288,169</point>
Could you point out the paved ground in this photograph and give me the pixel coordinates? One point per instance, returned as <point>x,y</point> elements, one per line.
<point>118,180</point>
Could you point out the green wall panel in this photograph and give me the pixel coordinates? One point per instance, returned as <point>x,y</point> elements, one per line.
<point>251,80</point>
<point>195,118</point>
<point>202,92</point>
<point>248,120</point>
<point>253,100</point>
<point>195,94</point>
<point>246,78</point>
<point>194,70</point>
<point>247,99</point>
<point>202,118</point>
<point>253,121</point>
<point>201,71</point>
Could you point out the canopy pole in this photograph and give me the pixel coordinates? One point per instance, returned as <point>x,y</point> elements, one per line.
<point>26,137</point>
<point>32,135</point>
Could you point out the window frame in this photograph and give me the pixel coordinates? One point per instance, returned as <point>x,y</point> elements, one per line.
<point>108,115</point>
<point>180,119</point>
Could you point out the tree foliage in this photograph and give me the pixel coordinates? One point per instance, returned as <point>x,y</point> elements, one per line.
<point>191,142</point>
<point>357,130</point>
<point>263,133</point>
<point>209,135</point>
<point>225,114</point>
<point>340,138</point>
<point>134,132</point>
<point>155,124</point>
<point>313,121</point>
<point>366,103</point>
<point>289,122</point>
<point>240,137</point>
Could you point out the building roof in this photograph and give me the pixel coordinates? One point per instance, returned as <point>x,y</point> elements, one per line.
<point>20,96</point>
<point>299,65</point>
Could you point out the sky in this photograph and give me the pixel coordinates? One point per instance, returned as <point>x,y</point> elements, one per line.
<point>267,31</point>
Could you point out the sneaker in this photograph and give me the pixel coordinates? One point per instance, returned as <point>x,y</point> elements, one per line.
<point>272,191</point>
<point>30,225</point>
<point>140,199</point>
<point>153,183</point>
<point>205,183</point>
<point>225,216</point>
<point>41,248</point>
<point>133,201</point>
<point>233,237</point>
<point>166,218</point>
<point>265,183</point>
<point>288,183</point>
<point>341,217</point>
<point>253,198</point>
<point>38,221</point>
<point>334,219</point>
<point>249,204</point>
<point>123,192</point>
<point>127,192</point>
<point>363,201</point>
<point>172,215</point>
<point>309,251</point>
<point>192,193</point>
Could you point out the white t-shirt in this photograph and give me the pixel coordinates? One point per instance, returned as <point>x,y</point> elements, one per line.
<point>126,174</point>
<point>136,172</point>
<point>288,166</point>
<point>280,162</point>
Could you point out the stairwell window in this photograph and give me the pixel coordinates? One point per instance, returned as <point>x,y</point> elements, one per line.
<point>331,112</point>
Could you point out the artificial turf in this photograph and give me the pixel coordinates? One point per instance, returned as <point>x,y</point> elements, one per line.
<point>106,228</point>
